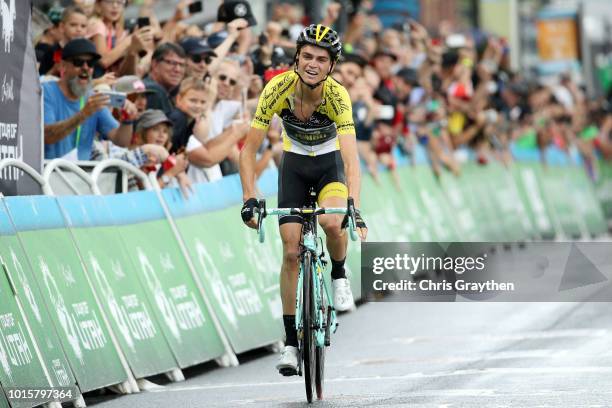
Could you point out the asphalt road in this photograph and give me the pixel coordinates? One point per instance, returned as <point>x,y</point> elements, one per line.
<point>396,354</point>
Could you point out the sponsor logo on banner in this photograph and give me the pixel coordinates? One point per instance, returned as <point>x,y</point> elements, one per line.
<point>79,321</point>
<point>131,315</point>
<point>161,300</point>
<point>59,305</point>
<point>61,374</point>
<point>216,283</point>
<point>267,265</point>
<point>111,301</point>
<point>14,339</point>
<point>177,304</point>
<point>184,303</point>
<point>9,15</point>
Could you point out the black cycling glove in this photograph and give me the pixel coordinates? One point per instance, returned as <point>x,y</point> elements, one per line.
<point>360,223</point>
<point>248,209</point>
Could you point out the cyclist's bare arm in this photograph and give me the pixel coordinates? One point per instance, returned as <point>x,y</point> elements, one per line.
<point>348,151</point>
<point>247,161</point>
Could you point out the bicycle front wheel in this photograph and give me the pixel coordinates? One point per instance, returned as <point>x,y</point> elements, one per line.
<point>308,317</point>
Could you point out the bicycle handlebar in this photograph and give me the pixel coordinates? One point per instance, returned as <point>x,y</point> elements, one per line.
<point>262,213</point>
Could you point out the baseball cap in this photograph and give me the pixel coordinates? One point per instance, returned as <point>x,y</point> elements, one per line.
<point>196,46</point>
<point>152,117</point>
<point>231,10</point>
<point>78,47</point>
<point>130,84</point>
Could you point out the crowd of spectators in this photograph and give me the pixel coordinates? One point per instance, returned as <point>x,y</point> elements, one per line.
<point>177,99</point>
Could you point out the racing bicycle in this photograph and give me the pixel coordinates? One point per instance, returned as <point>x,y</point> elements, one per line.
<point>315,316</point>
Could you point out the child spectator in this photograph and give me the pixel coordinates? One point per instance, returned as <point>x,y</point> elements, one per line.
<point>73,24</point>
<point>155,128</point>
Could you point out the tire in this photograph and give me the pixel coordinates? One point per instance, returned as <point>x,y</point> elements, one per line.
<point>309,341</point>
<point>320,372</point>
<point>320,355</point>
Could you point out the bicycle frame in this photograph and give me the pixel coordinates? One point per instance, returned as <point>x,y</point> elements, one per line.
<point>309,243</point>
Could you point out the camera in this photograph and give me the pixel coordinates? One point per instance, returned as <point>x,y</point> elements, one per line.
<point>117,99</point>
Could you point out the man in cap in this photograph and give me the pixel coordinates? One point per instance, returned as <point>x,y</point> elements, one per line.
<point>73,114</point>
<point>199,54</point>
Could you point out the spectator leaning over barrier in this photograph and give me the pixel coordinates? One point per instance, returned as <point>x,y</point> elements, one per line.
<point>136,92</point>
<point>193,112</point>
<point>120,50</point>
<point>154,128</point>
<point>167,72</point>
<point>205,155</point>
<point>73,25</point>
<point>227,109</point>
<point>73,115</point>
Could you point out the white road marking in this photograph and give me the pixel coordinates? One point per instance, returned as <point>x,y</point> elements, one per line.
<point>551,334</point>
<point>504,355</point>
<point>522,371</point>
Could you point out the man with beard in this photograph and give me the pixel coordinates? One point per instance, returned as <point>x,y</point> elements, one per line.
<point>73,114</point>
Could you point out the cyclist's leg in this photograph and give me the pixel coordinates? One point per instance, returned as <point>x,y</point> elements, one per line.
<point>290,235</point>
<point>332,192</point>
<point>331,224</point>
<point>292,191</point>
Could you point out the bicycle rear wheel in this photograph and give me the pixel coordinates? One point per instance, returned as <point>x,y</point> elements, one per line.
<point>308,341</point>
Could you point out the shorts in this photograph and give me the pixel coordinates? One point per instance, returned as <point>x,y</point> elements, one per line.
<point>297,173</point>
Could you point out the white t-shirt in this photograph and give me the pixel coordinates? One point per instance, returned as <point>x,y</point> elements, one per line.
<point>201,174</point>
<point>223,114</point>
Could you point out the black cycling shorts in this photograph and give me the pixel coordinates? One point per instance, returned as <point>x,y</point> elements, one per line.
<point>297,173</point>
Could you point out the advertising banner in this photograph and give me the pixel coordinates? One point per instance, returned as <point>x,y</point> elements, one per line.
<point>20,112</point>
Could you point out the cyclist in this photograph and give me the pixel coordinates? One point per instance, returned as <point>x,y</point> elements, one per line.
<point>320,147</point>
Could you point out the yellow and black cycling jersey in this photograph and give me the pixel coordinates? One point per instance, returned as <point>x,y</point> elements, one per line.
<point>317,136</point>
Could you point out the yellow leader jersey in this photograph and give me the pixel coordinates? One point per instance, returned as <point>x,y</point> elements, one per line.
<point>319,135</point>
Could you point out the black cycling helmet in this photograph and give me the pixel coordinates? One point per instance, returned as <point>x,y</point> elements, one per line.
<point>321,36</point>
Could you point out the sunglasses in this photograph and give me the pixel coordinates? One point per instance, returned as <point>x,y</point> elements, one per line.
<point>224,78</point>
<point>174,64</point>
<point>199,58</point>
<point>79,62</point>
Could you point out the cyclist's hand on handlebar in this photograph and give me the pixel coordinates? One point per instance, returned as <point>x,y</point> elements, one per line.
<point>248,212</point>
<point>362,229</point>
